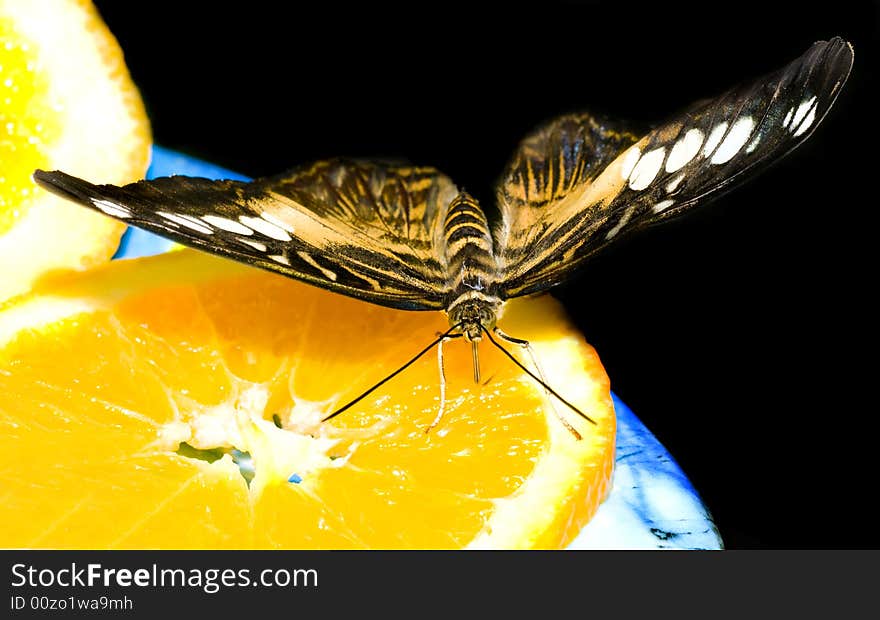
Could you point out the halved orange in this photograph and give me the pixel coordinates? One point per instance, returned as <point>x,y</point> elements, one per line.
<point>66,102</point>
<point>175,402</point>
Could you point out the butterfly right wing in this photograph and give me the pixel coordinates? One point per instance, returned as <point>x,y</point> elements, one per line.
<point>578,184</point>
<point>364,229</point>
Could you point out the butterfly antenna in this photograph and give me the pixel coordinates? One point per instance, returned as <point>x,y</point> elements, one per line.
<point>352,403</point>
<point>537,378</point>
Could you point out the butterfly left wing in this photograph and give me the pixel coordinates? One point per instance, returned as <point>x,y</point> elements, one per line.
<point>363,229</point>
<point>579,182</point>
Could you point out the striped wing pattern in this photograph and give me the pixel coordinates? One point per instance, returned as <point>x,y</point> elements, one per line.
<point>363,229</point>
<point>557,210</point>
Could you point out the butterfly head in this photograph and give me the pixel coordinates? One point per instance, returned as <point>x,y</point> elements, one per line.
<point>473,313</point>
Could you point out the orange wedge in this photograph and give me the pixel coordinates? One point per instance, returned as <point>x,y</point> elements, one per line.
<point>175,402</point>
<point>66,102</point>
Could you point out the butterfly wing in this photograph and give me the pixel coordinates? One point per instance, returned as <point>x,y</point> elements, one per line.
<point>580,181</point>
<point>363,229</point>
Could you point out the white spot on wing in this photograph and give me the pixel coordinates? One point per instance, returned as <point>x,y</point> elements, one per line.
<point>754,143</point>
<point>662,206</point>
<point>734,140</point>
<point>185,220</point>
<point>227,224</point>
<point>807,122</point>
<point>787,118</point>
<point>278,258</point>
<point>629,162</point>
<point>259,247</point>
<point>714,138</point>
<point>264,227</point>
<point>674,183</point>
<point>647,168</point>
<point>623,220</point>
<point>801,112</point>
<point>684,150</point>
<point>111,208</point>
<point>311,261</point>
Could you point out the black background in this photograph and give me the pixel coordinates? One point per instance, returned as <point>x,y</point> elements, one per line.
<point>743,335</point>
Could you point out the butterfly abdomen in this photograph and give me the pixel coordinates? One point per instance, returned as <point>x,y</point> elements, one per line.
<point>471,265</point>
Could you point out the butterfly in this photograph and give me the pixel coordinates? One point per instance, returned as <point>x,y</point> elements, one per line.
<point>406,237</point>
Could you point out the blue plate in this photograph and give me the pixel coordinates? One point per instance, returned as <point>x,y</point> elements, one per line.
<point>652,504</point>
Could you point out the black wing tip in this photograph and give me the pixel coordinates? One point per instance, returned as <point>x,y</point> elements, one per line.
<point>837,43</point>
<point>63,184</point>
<point>835,57</point>
<point>53,178</point>
<point>836,52</point>
<point>46,178</point>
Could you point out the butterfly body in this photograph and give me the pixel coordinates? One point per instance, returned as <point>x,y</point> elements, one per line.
<point>472,304</point>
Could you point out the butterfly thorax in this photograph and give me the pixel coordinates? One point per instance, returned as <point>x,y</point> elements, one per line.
<point>472,268</point>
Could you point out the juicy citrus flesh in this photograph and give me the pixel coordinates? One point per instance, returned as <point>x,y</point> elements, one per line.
<point>66,102</point>
<point>130,395</point>
<point>28,122</point>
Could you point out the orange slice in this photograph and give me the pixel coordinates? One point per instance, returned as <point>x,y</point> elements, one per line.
<point>66,102</point>
<point>175,402</point>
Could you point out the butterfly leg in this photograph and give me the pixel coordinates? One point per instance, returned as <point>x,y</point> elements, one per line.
<point>442,372</point>
<point>531,352</point>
